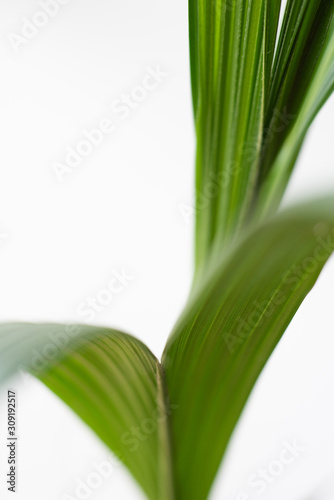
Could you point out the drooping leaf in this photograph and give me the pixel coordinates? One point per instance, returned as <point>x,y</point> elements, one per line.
<point>229,329</point>
<point>111,380</point>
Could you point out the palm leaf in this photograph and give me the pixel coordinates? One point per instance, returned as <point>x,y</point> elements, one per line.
<point>272,18</point>
<point>301,82</point>
<point>320,89</point>
<point>229,329</point>
<point>111,380</point>
<point>223,339</point>
<point>252,272</point>
<point>227,47</point>
<point>247,100</point>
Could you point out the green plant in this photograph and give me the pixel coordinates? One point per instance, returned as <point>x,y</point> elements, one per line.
<point>253,104</point>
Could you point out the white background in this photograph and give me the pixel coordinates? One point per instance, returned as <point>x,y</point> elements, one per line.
<point>121,209</point>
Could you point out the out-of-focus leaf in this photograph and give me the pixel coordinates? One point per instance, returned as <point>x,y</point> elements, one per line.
<point>229,329</point>
<point>111,380</point>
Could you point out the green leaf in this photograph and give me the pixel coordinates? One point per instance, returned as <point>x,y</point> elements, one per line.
<point>112,381</point>
<point>321,88</point>
<point>229,329</point>
<point>248,97</point>
<point>304,32</point>
<point>302,76</point>
<point>272,18</point>
<point>252,272</point>
<point>228,54</point>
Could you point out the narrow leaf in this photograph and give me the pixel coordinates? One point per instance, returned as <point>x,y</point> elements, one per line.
<point>306,29</point>
<point>321,88</point>
<point>228,56</point>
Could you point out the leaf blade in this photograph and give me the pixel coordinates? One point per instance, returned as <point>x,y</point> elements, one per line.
<point>111,380</point>
<point>228,72</point>
<point>223,339</point>
<point>306,32</point>
<point>322,86</point>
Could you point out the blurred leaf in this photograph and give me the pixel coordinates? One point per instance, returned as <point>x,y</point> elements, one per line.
<point>252,272</point>
<point>229,329</point>
<point>111,380</point>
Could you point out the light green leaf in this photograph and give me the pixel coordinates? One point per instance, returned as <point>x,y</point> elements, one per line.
<point>229,329</point>
<point>111,380</point>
